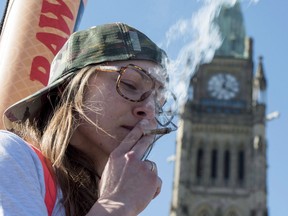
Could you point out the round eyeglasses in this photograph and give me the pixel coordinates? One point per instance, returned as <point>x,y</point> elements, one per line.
<point>136,84</point>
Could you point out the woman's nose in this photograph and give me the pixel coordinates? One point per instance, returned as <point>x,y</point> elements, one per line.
<point>146,109</point>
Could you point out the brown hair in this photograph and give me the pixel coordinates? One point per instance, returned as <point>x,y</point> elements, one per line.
<point>51,131</point>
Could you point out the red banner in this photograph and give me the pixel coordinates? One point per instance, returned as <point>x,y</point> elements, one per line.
<point>33,32</point>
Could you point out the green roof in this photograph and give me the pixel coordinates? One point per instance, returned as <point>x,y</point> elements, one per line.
<point>232,29</point>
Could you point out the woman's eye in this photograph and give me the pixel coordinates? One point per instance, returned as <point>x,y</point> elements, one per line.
<point>128,85</point>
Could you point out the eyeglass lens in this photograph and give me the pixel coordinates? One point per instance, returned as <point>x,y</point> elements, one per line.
<point>167,110</point>
<point>135,85</point>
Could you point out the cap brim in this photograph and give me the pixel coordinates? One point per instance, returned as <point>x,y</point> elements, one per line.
<point>29,106</point>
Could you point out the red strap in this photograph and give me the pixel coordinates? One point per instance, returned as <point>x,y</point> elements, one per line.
<point>51,190</point>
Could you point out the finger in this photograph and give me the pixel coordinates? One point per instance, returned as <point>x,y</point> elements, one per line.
<point>158,190</point>
<point>151,165</point>
<point>142,146</point>
<point>136,138</point>
<point>130,140</point>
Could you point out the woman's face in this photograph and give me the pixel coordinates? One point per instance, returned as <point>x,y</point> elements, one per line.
<point>114,115</point>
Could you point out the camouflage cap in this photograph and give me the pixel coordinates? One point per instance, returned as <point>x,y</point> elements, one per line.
<point>104,43</point>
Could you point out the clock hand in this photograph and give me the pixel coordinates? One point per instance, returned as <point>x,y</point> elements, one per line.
<point>225,82</point>
<point>225,86</point>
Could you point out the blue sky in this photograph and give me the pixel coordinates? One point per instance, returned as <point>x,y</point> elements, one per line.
<point>266,22</point>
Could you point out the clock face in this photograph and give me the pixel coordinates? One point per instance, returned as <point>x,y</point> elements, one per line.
<point>223,86</point>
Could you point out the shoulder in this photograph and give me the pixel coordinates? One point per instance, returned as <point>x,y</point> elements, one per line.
<point>8,138</point>
<point>13,147</point>
<point>17,156</point>
<point>22,184</point>
<point>18,160</point>
<point>22,187</point>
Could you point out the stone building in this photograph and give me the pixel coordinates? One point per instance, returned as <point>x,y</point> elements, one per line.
<point>220,167</point>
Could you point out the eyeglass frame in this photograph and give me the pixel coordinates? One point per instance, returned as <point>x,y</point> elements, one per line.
<point>121,71</point>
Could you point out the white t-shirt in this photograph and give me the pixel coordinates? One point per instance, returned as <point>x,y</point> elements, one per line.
<point>22,186</point>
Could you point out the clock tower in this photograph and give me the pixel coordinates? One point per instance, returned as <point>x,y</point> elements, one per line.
<point>220,167</point>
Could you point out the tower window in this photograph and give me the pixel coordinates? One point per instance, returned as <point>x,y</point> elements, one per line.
<point>185,210</point>
<point>214,165</point>
<point>226,165</point>
<point>200,163</point>
<point>241,167</point>
<point>253,213</point>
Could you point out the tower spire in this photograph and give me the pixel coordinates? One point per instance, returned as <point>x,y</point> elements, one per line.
<point>232,29</point>
<point>260,75</point>
<point>260,84</point>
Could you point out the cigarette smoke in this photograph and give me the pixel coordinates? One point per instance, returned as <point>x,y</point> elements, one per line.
<point>202,38</point>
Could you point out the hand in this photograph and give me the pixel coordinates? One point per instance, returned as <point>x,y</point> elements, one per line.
<point>127,181</point>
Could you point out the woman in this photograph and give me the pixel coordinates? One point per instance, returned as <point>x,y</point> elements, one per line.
<point>94,123</point>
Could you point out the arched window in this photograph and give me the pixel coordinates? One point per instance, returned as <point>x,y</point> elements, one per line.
<point>253,213</point>
<point>200,163</point>
<point>204,213</point>
<point>226,165</point>
<point>204,210</point>
<point>233,212</point>
<point>241,166</point>
<point>214,163</point>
